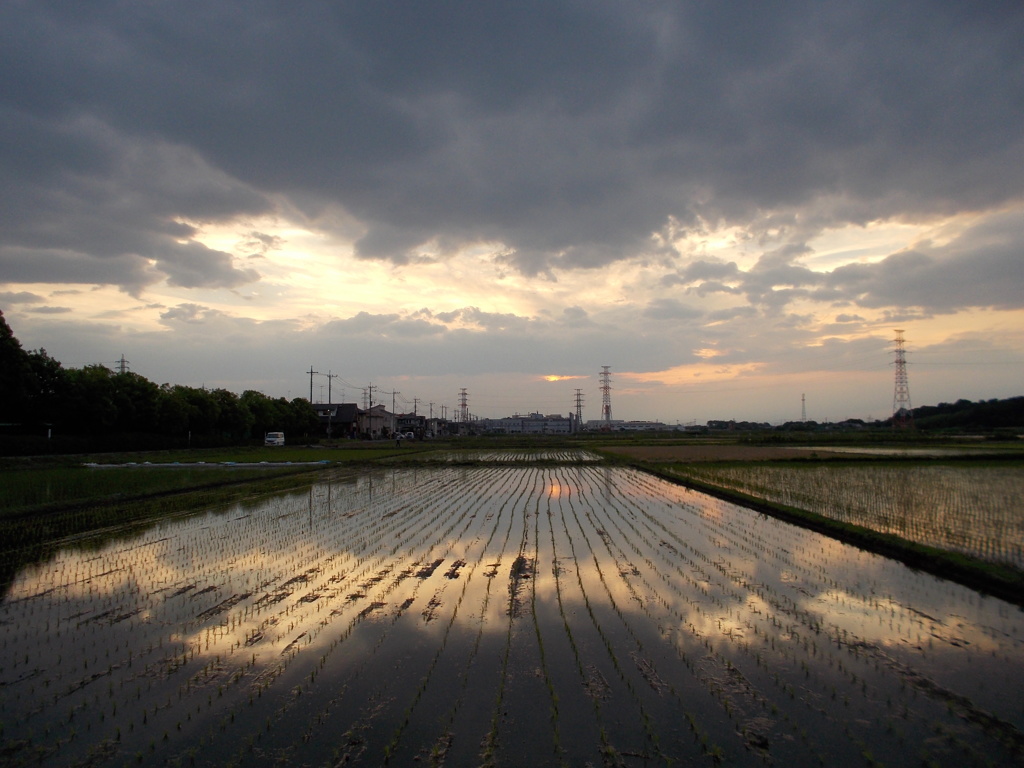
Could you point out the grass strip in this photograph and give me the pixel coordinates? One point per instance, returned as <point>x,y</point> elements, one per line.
<point>40,492</point>
<point>1002,581</point>
<point>83,515</point>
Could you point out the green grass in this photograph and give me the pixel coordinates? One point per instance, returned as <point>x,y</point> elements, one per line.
<point>256,454</point>
<point>342,452</point>
<point>37,491</point>
<point>44,484</point>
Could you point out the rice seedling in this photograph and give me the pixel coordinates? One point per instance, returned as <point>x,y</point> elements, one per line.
<point>439,612</point>
<point>963,507</point>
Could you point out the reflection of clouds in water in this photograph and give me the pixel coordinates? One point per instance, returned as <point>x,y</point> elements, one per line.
<point>396,562</point>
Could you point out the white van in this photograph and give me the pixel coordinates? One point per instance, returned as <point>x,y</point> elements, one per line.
<point>274,438</point>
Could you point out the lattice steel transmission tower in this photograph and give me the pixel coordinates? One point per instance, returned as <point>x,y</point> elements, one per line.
<point>902,413</point>
<point>579,409</point>
<point>463,405</point>
<point>606,393</point>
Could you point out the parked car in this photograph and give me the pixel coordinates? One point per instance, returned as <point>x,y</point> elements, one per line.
<point>273,438</point>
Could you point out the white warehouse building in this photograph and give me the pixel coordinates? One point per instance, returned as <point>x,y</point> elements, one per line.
<point>532,424</point>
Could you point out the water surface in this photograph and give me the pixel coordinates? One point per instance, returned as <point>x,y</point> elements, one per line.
<point>507,615</point>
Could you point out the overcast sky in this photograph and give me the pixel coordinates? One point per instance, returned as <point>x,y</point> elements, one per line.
<point>732,205</point>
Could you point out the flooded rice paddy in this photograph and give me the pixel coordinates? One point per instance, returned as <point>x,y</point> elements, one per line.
<point>509,615</point>
<point>962,508</point>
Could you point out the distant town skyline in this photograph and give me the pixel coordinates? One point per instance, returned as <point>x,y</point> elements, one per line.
<point>732,210</point>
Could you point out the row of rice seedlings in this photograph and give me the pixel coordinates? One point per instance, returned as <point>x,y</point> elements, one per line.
<point>603,676</point>
<point>718,562</point>
<point>842,639</point>
<point>380,691</point>
<point>578,686</point>
<point>733,691</point>
<point>446,737</point>
<point>607,617</point>
<point>281,674</point>
<point>640,675</point>
<point>524,649</point>
<point>466,731</point>
<point>964,507</point>
<point>679,602</point>
<point>200,591</point>
<point>435,693</point>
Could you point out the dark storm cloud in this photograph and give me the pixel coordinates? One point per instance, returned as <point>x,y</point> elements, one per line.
<point>983,267</point>
<point>702,270</point>
<point>566,131</point>
<point>38,265</point>
<point>83,203</point>
<point>670,309</point>
<point>193,265</point>
<point>21,297</point>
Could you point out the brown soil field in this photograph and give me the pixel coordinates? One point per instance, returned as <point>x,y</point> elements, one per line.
<point>669,453</point>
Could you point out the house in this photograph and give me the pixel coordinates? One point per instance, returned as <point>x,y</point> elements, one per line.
<point>338,419</point>
<point>377,422</point>
<point>411,422</point>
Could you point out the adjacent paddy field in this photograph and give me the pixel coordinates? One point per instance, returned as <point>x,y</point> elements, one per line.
<point>512,614</point>
<point>976,510</point>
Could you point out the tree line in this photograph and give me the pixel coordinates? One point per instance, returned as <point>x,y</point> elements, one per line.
<point>93,407</point>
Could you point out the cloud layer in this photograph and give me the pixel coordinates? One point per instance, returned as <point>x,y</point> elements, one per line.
<point>586,145</point>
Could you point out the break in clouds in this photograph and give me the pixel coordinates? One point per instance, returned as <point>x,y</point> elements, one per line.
<point>558,139</point>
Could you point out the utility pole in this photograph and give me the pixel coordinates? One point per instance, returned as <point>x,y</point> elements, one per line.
<point>330,401</point>
<point>330,377</point>
<point>803,409</point>
<point>415,404</point>
<point>393,394</point>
